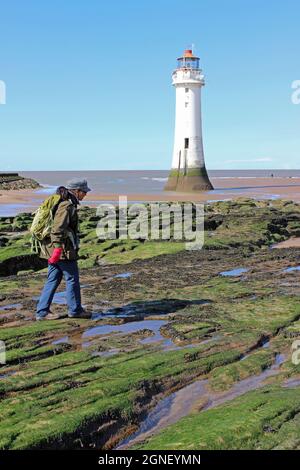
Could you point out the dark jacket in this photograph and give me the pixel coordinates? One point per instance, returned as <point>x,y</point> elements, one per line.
<point>64,233</point>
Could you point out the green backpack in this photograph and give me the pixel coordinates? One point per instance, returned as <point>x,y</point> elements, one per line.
<point>42,222</point>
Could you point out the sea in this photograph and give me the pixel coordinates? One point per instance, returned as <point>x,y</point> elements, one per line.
<point>142,181</point>
<point>125,182</point>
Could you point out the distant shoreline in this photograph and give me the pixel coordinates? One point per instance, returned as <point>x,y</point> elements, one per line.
<point>27,200</point>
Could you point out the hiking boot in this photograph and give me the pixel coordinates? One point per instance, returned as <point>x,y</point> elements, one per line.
<point>83,314</point>
<point>50,316</point>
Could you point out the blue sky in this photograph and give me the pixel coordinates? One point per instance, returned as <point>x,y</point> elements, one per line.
<point>89,82</point>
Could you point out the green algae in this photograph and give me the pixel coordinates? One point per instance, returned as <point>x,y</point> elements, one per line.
<point>58,391</point>
<point>249,224</point>
<point>222,378</point>
<point>108,388</point>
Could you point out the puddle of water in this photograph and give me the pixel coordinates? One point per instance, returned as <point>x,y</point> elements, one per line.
<point>166,344</point>
<point>179,404</point>
<point>64,339</point>
<point>131,327</point>
<point>8,374</point>
<point>195,345</point>
<point>265,345</point>
<point>234,272</point>
<point>279,359</point>
<point>291,269</point>
<point>11,306</point>
<point>168,411</point>
<point>290,383</point>
<point>67,340</point>
<point>122,275</point>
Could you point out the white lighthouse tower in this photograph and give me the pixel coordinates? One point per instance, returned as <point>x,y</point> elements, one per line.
<point>188,173</point>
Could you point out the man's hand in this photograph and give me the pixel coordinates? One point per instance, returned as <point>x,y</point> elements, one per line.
<point>55,256</point>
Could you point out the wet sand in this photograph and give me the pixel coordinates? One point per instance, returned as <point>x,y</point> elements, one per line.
<point>227,188</point>
<point>291,243</point>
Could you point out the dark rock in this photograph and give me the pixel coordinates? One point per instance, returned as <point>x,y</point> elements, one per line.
<point>61,348</point>
<point>14,264</point>
<point>19,183</point>
<point>93,218</point>
<point>3,241</point>
<point>19,227</point>
<point>213,222</point>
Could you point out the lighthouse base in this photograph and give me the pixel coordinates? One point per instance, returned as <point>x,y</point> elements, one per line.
<point>190,181</point>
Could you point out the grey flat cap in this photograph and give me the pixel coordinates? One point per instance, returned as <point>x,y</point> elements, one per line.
<point>77,183</point>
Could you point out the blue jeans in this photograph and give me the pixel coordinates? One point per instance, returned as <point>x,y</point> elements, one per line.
<point>68,269</point>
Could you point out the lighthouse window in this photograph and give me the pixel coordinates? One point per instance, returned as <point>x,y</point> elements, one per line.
<point>186,143</point>
<point>186,90</point>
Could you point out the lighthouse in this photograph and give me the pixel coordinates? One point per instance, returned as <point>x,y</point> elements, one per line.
<point>188,172</point>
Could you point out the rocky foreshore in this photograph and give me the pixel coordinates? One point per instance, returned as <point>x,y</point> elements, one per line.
<point>174,333</point>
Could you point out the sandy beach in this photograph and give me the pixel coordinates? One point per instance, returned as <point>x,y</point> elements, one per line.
<point>26,200</point>
<point>290,243</point>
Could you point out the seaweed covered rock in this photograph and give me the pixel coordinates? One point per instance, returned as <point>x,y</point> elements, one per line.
<point>10,181</point>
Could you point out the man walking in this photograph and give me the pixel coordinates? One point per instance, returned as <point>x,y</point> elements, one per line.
<point>61,250</point>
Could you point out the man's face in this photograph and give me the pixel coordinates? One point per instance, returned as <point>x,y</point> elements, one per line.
<point>81,194</point>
